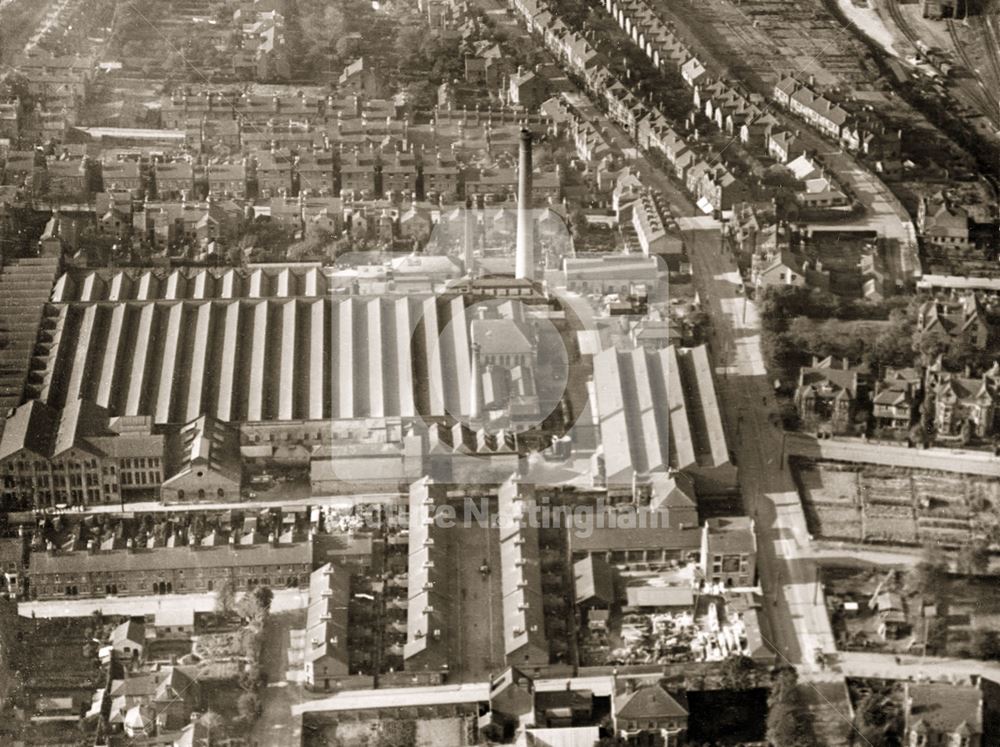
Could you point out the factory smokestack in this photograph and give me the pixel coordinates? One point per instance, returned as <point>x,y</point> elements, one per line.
<point>525,262</point>
<point>475,388</point>
<point>469,237</point>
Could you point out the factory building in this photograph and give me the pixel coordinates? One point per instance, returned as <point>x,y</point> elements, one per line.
<point>79,454</point>
<point>657,411</point>
<point>254,347</point>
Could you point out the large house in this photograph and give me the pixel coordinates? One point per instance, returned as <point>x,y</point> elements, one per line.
<point>959,400</point>
<point>830,391</point>
<point>896,396</point>
<point>942,714</point>
<point>961,319</point>
<point>648,709</point>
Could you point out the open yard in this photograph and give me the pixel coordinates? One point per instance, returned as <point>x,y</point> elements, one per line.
<point>478,621</point>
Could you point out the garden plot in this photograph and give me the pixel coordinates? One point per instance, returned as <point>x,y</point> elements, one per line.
<point>897,506</point>
<point>831,500</point>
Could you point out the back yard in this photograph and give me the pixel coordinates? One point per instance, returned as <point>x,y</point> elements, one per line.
<point>898,613</point>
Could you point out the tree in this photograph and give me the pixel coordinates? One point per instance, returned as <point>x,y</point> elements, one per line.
<point>264,596</point>
<point>248,706</point>
<point>16,85</point>
<point>973,557</point>
<point>225,598</point>
<point>965,433</point>
<point>738,673</point>
<point>788,721</point>
<point>929,572</point>
<point>879,719</point>
<point>252,678</point>
<point>985,644</point>
<point>927,415</point>
<point>937,636</point>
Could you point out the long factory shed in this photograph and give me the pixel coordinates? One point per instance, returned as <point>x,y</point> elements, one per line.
<point>254,346</point>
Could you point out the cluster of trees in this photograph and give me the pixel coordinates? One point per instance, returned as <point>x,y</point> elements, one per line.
<point>879,718</point>
<point>800,322</point>
<point>789,723</point>
<point>15,85</point>
<point>739,673</point>
<point>253,609</point>
<point>433,56</point>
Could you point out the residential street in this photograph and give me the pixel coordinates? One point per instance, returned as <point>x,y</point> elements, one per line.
<point>799,622</point>
<point>868,664</point>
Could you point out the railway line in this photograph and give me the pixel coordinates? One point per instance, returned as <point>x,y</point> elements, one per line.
<point>973,87</point>
<point>992,45</point>
<point>901,23</point>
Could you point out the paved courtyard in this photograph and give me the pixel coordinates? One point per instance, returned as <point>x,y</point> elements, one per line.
<point>479,623</point>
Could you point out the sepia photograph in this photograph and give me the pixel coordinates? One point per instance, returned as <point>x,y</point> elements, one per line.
<point>541,373</point>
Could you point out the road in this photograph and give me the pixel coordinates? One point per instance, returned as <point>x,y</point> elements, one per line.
<point>284,600</point>
<point>884,666</point>
<point>799,622</point>
<point>276,726</point>
<point>891,455</point>
<point>336,501</point>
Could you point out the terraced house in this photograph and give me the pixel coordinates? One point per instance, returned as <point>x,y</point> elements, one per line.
<point>122,568</point>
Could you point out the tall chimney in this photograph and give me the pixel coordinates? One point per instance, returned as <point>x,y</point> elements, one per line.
<point>525,262</point>
<point>469,237</point>
<point>475,387</point>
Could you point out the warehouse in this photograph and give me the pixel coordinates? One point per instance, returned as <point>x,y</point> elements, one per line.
<point>640,437</point>
<point>253,347</point>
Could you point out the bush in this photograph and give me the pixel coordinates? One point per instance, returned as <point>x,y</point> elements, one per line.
<point>249,707</point>
<point>788,722</point>
<point>985,644</point>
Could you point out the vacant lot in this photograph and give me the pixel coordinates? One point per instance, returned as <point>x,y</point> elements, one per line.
<point>831,501</point>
